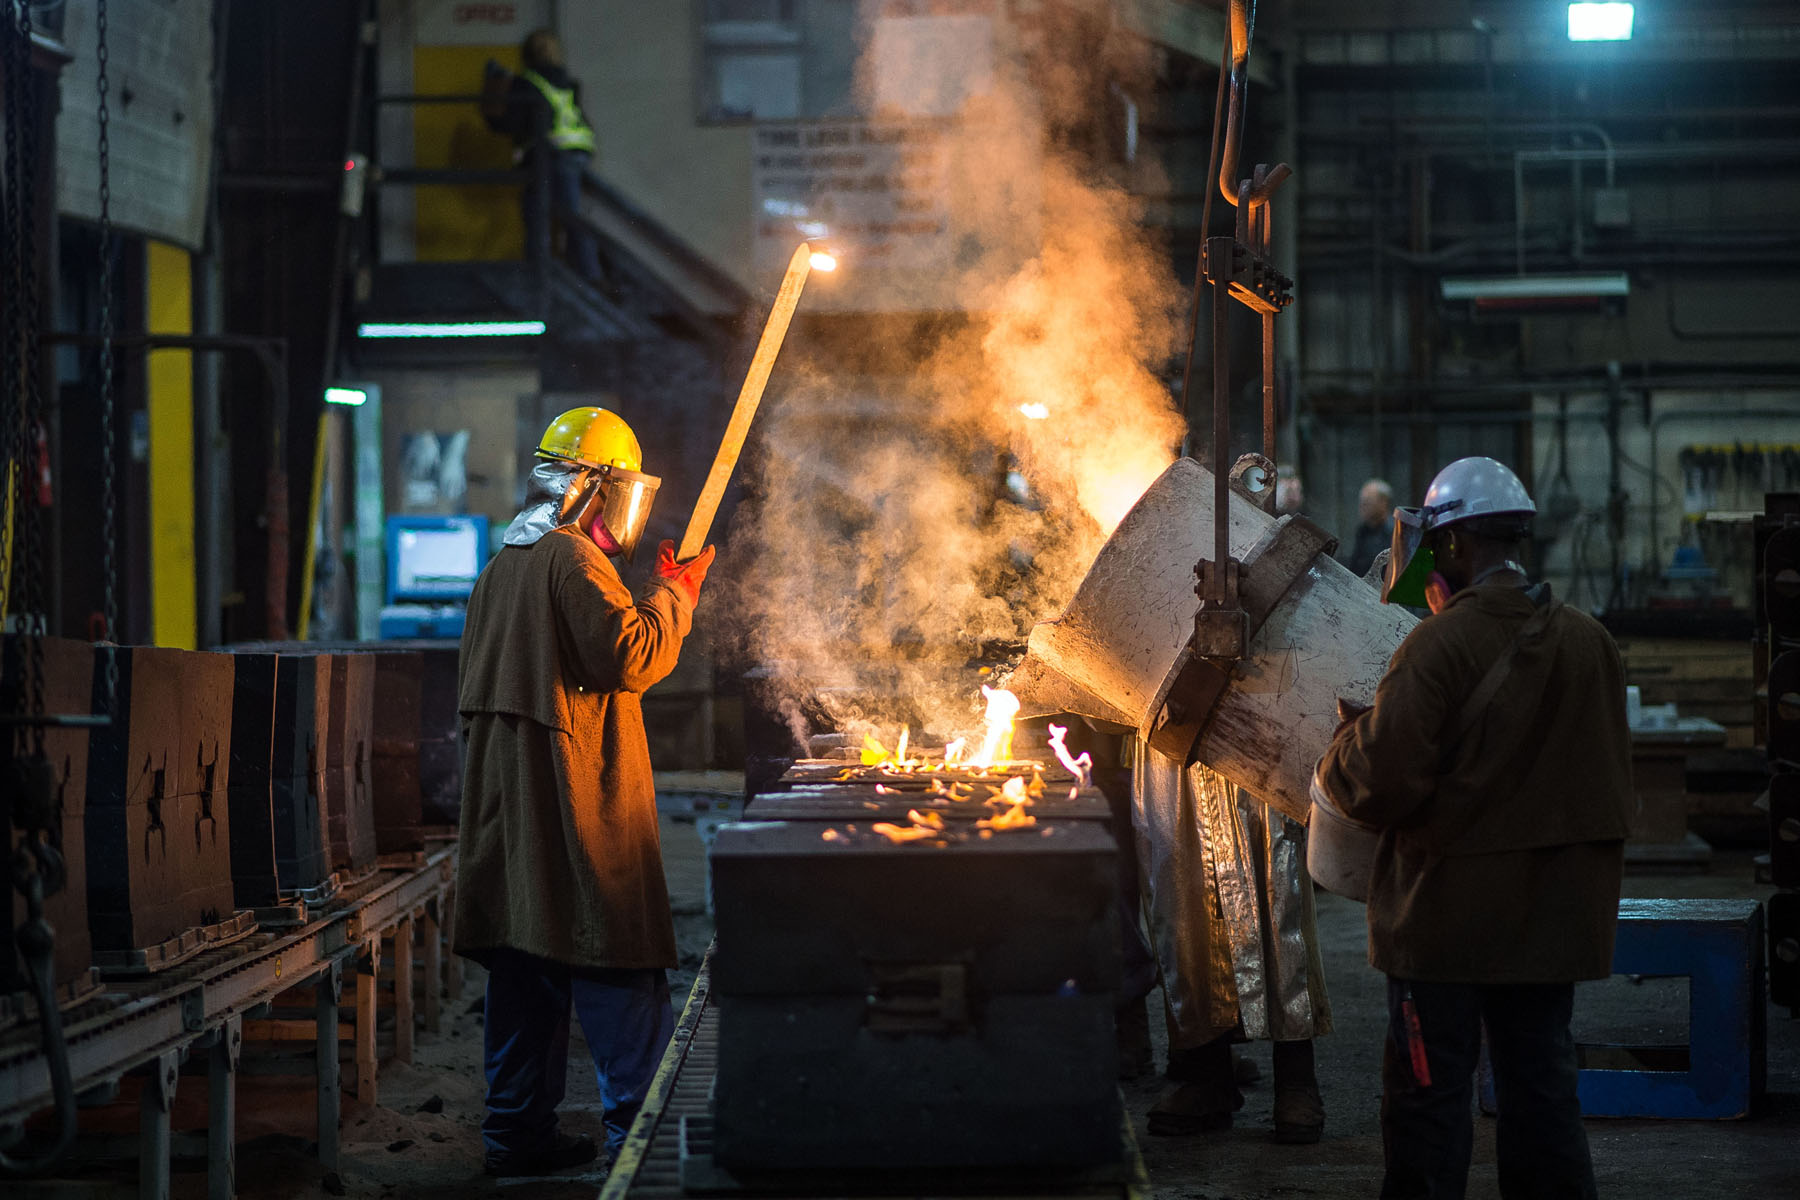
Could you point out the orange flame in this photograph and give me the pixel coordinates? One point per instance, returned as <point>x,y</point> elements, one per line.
<point>901,834</point>
<point>996,744</point>
<point>1013,818</point>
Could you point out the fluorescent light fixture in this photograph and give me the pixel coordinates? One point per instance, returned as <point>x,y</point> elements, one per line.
<point>1600,22</point>
<point>354,397</point>
<point>452,329</point>
<point>1535,287</point>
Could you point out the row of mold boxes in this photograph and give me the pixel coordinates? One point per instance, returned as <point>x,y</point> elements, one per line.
<point>226,782</point>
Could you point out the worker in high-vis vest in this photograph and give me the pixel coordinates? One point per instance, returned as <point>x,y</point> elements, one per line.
<point>540,109</point>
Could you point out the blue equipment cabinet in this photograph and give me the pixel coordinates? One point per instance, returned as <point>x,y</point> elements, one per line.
<point>432,563</point>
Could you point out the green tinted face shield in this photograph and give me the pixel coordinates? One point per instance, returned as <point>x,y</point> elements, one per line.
<point>1410,562</point>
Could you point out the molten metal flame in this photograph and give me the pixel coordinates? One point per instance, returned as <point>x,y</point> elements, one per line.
<point>873,752</point>
<point>930,820</point>
<point>1012,793</point>
<point>1013,818</point>
<point>953,752</point>
<point>996,745</point>
<point>821,261</point>
<point>899,834</point>
<point>1035,412</point>
<point>1081,768</point>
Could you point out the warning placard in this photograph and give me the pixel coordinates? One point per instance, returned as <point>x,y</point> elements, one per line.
<point>878,189</point>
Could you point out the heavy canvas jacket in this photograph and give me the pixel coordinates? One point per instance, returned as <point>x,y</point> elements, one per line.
<point>1501,851</point>
<point>560,855</point>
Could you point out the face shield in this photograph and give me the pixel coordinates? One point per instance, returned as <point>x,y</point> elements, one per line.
<point>1410,561</point>
<point>619,499</point>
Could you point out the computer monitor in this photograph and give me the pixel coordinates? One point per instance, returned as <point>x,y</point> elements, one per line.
<point>434,560</point>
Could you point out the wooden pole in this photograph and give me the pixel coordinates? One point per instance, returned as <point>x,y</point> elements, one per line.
<point>749,396</point>
<point>403,991</point>
<point>367,1063</point>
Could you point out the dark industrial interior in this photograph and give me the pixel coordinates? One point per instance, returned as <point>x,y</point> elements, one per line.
<point>1180,599</point>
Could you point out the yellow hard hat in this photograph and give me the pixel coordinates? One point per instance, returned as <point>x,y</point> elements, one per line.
<point>592,437</point>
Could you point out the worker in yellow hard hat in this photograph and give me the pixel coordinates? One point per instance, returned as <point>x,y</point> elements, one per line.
<point>560,890</point>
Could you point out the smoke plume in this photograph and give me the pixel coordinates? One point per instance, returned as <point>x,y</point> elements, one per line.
<point>925,493</point>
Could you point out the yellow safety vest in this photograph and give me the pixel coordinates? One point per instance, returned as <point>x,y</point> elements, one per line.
<point>569,130</point>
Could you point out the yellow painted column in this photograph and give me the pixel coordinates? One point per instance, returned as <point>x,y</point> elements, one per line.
<point>174,619</point>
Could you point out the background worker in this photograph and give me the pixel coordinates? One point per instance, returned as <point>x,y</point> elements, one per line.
<point>1496,763</point>
<point>1374,525</point>
<point>560,891</point>
<point>540,109</point>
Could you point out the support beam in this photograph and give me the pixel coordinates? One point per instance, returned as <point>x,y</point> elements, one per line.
<point>434,968</point>
<point>325,996</point>
<point>170,406</point>
<point>368,969</point>
<point>221,1110</point>
<point>154,1103</point>
<point>403,991</point>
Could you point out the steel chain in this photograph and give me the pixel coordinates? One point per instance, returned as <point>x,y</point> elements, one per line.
<point>109,471</point>
<point>27,521</point>
<point>37,863</point>
<point>14,463</point>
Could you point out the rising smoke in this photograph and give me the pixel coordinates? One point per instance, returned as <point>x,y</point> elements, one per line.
<point>904,520</point>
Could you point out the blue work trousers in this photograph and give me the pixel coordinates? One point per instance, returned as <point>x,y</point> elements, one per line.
<point>625,1015</point>
<point>1433,1046</point>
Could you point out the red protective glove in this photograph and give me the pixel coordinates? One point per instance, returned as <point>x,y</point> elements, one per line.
<point>686,577</point>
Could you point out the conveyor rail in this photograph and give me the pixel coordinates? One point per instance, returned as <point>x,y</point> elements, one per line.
<point>156,1020</point>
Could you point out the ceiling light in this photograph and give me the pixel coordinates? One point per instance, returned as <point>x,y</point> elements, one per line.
<point>453,329</point>
<point>1600,22</point>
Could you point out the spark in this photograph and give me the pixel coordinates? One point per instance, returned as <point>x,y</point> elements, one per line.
<point>1081,768</point>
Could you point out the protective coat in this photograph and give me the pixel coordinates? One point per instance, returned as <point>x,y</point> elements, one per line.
<point>560,855</point>
<point>1501,851</point>
<point>1230,907</point>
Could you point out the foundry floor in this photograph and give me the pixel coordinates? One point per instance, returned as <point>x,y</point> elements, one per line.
<point>395,1150</point>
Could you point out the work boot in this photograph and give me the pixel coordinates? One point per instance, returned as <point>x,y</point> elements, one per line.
<point>564,1151</point>
<point>1205,1093</point>
<point>1299,1108</point>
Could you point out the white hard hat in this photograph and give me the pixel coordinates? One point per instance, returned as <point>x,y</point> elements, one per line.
<point>1466,490</point>
<point>1473,487</point>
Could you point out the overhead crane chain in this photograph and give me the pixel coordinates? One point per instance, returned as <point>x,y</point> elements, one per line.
<point>109,470</point>
<point>37,867</point>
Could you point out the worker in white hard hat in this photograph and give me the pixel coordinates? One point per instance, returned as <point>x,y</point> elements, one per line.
<point>560,890</point>
<point>1495,764</point>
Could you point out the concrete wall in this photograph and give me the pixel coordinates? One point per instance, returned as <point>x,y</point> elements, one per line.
<point>638,66</point>
<point>485,402</point>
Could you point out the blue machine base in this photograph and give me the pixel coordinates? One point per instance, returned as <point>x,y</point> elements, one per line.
<point>1718,946</point>
<point>422,621</point>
